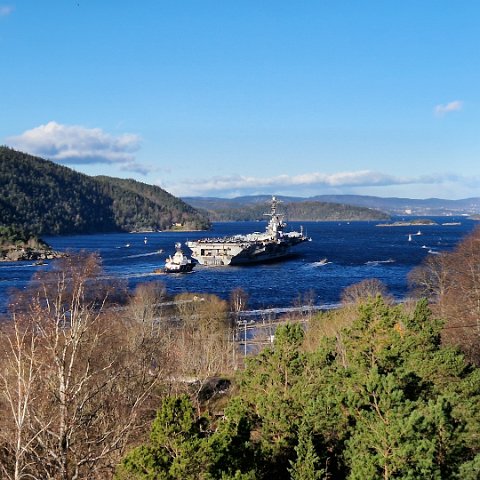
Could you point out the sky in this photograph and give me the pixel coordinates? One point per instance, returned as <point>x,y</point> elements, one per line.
<point>224,98</point>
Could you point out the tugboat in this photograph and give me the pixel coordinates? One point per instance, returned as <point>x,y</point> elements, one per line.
<point>179,262</point>
<point>274,244</point>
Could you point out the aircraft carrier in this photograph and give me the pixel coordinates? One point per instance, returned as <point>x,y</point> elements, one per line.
<point>273,244</point>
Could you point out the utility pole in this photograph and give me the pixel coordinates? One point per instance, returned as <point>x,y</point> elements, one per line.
<point>245,340</point>
<point>234,346</point>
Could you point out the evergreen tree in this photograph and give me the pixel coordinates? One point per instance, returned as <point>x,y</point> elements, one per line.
<point>270,386</point>
<point>388,401</point>
<point>182,446</point>
<point>175,449</point>
<point>402,424</point>
<point>307,464</point>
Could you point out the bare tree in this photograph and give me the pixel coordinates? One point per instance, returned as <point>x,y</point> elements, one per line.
<point>146,306</point>
<point>204,344</point>
<point>18,378</point>
<point>451,281</point>
<point>238,301</point>
<point>305,304</point>
<point>151,333</point>
<point>78,395</point>
<point>432,279</point>
<point>364,291</point>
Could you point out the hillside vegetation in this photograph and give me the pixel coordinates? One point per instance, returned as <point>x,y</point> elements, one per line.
<point>224,210</point>
<point>46,198</point>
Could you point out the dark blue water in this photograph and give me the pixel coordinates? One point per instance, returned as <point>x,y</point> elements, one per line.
<point>355,250</point>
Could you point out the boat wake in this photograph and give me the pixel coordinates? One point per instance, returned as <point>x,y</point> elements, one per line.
<point>10,265</point>
<point>126,276</point>
<point>144,254</point>
<point>320,263</point>
<point>275,312</point>
<point>379,262</point>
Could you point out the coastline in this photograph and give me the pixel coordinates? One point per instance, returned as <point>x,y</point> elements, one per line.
<point>29,254</point>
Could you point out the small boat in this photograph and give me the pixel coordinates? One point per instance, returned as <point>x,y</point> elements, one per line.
<point>409,237</point>
<point>179,262</point>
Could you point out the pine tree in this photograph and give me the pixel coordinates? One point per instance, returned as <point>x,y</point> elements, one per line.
<point>307,464</point>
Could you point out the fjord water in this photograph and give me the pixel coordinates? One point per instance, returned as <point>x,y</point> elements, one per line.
<point>354,250</point>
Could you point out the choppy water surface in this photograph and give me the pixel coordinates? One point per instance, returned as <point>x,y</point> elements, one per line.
<point>354,251</point>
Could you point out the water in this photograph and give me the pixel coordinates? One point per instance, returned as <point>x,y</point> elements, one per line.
<point>355,251</point>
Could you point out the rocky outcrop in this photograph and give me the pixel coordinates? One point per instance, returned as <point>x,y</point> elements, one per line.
<point>15,254</point>
<point>17,245</point>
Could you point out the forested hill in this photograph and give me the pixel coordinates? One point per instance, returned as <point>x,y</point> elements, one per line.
<point>390,205</point>
<point>137,205</point>
<point>48,199</point>
<point>236,210</point>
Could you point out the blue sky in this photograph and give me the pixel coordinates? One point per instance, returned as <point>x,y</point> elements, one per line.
<point>235,97</point>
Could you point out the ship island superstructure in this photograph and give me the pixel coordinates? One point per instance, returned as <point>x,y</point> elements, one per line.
<point>273,244</point>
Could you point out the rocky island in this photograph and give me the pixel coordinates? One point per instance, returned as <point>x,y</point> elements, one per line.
<point>415,223</point>
<point>17,245</point>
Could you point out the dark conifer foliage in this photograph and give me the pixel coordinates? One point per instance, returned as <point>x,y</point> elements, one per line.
<point>382,399</point>
<point>49,199</point>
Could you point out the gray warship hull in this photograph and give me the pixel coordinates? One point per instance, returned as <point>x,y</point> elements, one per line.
<point>217,253</point>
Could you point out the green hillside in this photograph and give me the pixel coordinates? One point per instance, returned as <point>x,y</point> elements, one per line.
<point>236,210</point>
<point>48,199</point>
<point>138,206</point>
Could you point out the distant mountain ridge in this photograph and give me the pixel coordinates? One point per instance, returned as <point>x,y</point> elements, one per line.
<point>45,198</point>
<point>390,205</point>
<point>255,207</point>
<point>399,205</point>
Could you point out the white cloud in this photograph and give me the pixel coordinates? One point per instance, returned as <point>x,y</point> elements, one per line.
<point>441,110</point>
<point>5,10</point>
<point>78,145</point>
<point>341,181</point>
